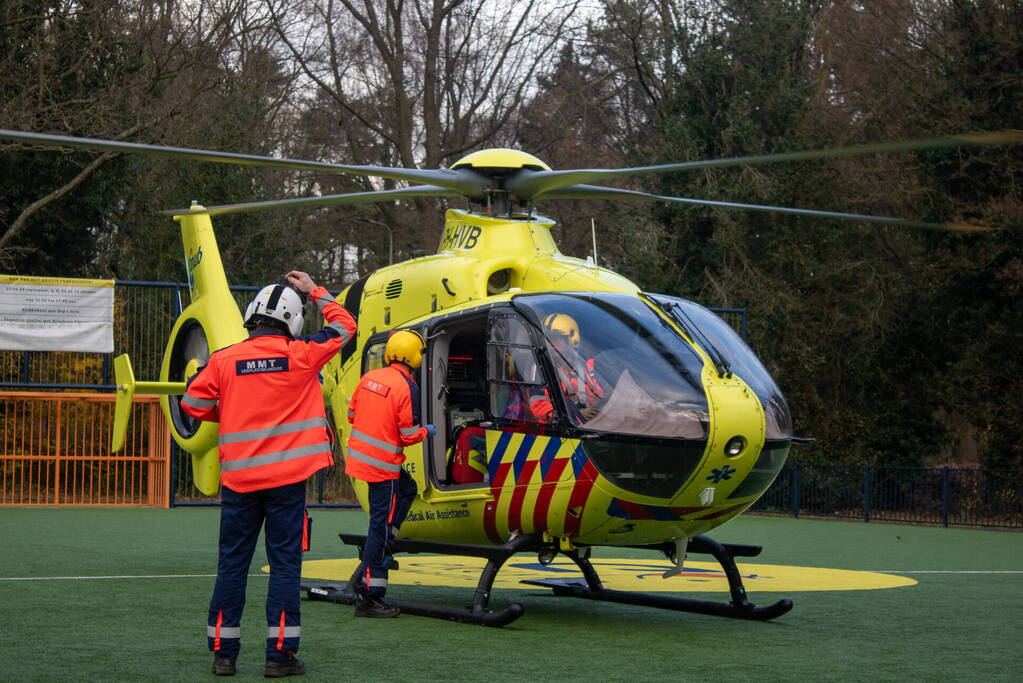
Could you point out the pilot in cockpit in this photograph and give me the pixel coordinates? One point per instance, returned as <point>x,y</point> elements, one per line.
<point>583,393</point>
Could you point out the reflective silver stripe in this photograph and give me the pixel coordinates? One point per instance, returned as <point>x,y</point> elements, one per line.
<point>382,445</point>
<point>342,330</point>
<point>377,583</point>
<point>323,301</point>
<point>270,458</point>
<point>276,430</point>
<point>289,631</point>
<point>409,431</point>
<point>370,460</point>
<point>225,631</point>
<point>194,402</point>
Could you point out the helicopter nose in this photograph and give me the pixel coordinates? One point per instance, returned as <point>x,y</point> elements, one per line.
<point>759,478</point>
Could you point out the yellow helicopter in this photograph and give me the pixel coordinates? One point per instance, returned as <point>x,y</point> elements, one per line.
<point>679,430</point>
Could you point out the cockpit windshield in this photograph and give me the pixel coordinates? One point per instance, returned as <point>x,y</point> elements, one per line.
<point>619,366</point>
<point>738,356</point>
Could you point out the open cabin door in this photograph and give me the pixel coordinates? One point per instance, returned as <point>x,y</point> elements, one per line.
<point>483,370</point>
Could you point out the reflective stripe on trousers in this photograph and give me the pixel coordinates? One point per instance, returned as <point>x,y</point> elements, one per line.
<point>389,503</point>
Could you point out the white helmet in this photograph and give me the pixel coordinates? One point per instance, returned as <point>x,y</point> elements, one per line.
<point>280,303</point>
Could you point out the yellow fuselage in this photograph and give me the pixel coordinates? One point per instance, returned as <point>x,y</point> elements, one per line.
<point>538,482</point>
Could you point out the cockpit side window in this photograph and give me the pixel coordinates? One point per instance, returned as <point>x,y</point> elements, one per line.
<point>373,356</point>
<point>513,373</point>
<point>618,366</point>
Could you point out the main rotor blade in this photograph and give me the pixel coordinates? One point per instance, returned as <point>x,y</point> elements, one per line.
<point>463,180</point>
<point>529,184</point>
<point>326,200</point>
<point>597,192</point>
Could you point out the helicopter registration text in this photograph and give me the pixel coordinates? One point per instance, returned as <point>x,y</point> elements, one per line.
<point>458,236</point>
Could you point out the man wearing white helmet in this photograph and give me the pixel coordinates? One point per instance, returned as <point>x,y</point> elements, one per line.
<point>273,435</point>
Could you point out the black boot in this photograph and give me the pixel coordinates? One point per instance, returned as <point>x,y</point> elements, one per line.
<point>222,666</point>
<point>292,667</point>
<point>376,608</point>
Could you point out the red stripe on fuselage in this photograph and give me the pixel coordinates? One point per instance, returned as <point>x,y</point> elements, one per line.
<point>580,493</point>
<point>490,509</point>
<point>719,513</point>
<point>543,501</point>
<point>635,510</point>
<point>519,495</point>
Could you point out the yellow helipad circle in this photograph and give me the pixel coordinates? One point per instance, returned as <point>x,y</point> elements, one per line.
<point>616,573</point>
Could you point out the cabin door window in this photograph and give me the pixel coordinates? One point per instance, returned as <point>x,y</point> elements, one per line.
<point>514,379</point>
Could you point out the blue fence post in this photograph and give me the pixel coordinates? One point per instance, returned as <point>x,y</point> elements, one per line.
<point>176,302</point>
<point>867,492</point>
<point>946,484</point>
<point>795,488</point>
<point>174,472</point>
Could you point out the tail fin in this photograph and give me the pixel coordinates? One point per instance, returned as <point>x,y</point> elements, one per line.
<point>124,376</point>
<point>203,266</point>
<point>125,379</point>
<point>215,311</point>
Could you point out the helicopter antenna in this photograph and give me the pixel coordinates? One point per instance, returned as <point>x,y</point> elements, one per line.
<point>593,233</point>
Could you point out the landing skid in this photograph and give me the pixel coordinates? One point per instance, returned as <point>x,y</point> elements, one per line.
<point>590,587</point>
<point>477,613</point>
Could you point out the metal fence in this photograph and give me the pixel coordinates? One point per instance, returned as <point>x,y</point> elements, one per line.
<point>948,496</point>
<point>55,450</point>
<point>144,313</point>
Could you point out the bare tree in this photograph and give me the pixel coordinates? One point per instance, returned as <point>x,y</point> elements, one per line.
<point>419,82</point>
<point>115,69</point>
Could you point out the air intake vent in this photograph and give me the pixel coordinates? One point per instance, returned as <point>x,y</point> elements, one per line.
<point>393,290</point>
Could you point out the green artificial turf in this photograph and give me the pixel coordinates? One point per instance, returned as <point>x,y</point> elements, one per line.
<point>948,627</point>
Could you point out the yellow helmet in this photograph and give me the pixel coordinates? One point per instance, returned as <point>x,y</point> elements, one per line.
<point>405,346</point>
<point>565,324</point>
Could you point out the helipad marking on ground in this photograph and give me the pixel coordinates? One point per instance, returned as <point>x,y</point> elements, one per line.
<point>616,573</point>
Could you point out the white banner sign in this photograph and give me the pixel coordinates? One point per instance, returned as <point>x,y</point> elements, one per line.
<point>56,314</point>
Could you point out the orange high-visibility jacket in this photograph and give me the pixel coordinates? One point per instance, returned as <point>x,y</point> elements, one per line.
<point>265,392</point>
<point>384,412</point>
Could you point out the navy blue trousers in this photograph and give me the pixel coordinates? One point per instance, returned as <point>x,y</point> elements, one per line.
<point>389,502</point>
<point>282,511</point>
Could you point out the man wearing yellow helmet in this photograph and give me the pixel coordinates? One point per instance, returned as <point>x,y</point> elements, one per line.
<point>575,373</point>
<point>384,412</point>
